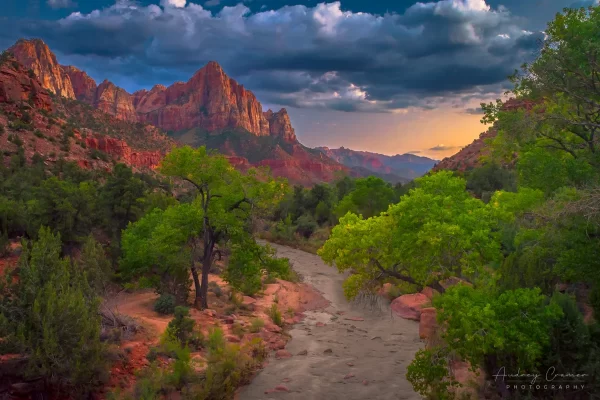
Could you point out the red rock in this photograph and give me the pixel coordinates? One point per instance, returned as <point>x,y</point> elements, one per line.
<point>320,324</point>
<point>16,85</point>
<point>280,125</point>
<point>348,376</point>
<point>115,101</point>
<point>409,305</point>
<point>273,328</point>
<point>385,289</point>
<point>428,323</point>
<point>35,55</point>
<point>472,382</point>
<point>365,382</point>
<point>121,150</point>
<point>247,300</point>
<point>84,87</point>
<point>429,292</point>
<point>279,354</point>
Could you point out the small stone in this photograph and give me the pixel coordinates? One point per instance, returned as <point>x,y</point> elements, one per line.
<point>320,324</point>
<point>229,320</point>
<point>348,376</point>
<point>376,337</point>
<point>328,351</point>
<point>282,388</point>
<point>286,380</point>
<point>303,353</point>
<point>282,354</point>
<point>210,313</point>
<point>365,382</point>
<point>350,364</point>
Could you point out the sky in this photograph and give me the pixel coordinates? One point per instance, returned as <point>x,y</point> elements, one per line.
<point>389,76</point>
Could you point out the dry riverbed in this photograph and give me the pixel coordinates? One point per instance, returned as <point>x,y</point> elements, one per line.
<point>344,351</point>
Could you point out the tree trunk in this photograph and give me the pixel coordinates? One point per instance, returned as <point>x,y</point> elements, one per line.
<point>197,287</point>
<point>207,257</point>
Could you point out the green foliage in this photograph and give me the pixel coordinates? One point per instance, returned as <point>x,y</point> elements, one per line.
<point>248,262</point>
<point>181,329</point>
<point>513,326</point>
<point>256,324</point>
<point>165,304</point>
<point>428,374</point>
<point>306,225</point>
<point>95,265</point>
<point>370,197</point>
<point>275,315</point>
<point>51,315</point>
<point>486,180</point>
<point>437,230</point>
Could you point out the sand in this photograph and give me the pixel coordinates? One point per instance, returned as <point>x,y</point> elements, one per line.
<point>351,351</point>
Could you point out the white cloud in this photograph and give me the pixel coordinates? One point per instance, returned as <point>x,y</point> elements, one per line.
<point>173,3</point>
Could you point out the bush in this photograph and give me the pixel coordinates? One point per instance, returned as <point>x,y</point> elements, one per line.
<point>428,373</point>
<point>256,325</point>
<point>181,329</point>
<point>165,304</point>
<point>51,316</point>
<point>275,315</point>
<point>306,225</point>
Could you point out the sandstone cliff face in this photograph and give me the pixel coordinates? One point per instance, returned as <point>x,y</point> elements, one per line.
<point>209,100</point>
<point>120,150</point>
<point>83,85</point>
<point>35,55</point>
<point>16,85</point>
<point>280,125</point>
<point>115,101</point>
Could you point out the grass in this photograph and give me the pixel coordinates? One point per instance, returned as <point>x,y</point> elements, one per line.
<point>275,315</point>
<point>256,325</point>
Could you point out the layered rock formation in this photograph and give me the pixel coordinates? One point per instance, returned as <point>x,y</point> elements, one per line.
<point>35,55</point>
<point>121,151</point>
<point>84,86</point>
<point>16,85</point>
<point>210,102</point>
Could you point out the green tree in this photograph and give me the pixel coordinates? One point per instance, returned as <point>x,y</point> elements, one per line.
<point>436,231</point>
<point>370,197</point>
<point>51,315</point>
<point>224,204</point>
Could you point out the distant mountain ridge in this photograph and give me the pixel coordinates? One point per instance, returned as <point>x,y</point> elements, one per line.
<point>209,104</point>
<point>400,167</point>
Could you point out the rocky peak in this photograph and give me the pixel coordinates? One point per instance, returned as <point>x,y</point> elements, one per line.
<point>83,85</point>
<point>280,125</point>
<point>115,101</point>
<point>35,55</point>
<point>16,85</point>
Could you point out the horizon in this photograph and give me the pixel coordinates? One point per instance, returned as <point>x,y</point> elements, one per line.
<point>420,93</point>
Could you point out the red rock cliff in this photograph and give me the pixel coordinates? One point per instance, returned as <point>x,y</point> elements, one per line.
<point>84,86</point>
<point>280,125</point>
<point>115,101</point>
<point>16,85</point>
<point>35,55</point>
<point>121,150</point>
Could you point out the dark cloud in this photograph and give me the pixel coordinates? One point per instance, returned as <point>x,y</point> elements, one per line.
<point>475,111</point>
<point>443,147</point>
<point>319,57</point>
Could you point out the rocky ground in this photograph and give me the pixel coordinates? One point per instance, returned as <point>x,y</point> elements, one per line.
<point>341,351</point>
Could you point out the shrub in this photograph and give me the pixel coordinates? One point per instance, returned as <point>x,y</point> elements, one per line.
<point>38,133</point>
<point>238,330</point>
<point>165,304</point>
<point>256,325</point>
<point>428,374</point>
<point>181,329</point>
<point>306,225</point>
<point>275,315</point>
<point>51,316</point>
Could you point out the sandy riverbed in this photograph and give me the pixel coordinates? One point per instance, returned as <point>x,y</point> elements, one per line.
<point>352,352</point>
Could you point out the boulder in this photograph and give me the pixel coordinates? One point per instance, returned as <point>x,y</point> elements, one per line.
<point>428,323</point>
<point>282,354</point>
<point>429,292</point>
<point>409,306</point>
<point>472,382</point>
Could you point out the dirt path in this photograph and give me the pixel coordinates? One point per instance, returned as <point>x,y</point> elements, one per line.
<point>359,353</point>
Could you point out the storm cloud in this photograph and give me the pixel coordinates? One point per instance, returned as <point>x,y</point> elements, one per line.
<point>312,57</point>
